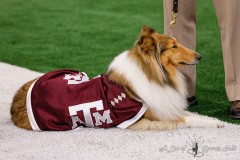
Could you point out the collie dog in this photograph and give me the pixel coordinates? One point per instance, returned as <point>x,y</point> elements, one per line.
<point>142,90</point>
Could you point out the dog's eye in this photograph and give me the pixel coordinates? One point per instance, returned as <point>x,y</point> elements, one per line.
<point>174,46</point>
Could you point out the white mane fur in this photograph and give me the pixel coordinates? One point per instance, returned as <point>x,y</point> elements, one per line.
<point>165,102</point>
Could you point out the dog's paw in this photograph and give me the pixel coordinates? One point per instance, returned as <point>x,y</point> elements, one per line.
<point>216,124</point>
<point>220,124</point>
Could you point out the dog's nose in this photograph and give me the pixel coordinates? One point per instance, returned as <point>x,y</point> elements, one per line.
<point>199,57</point>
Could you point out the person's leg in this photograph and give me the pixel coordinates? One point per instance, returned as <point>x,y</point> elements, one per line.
<point>229,22</point>
<point>185,32</point>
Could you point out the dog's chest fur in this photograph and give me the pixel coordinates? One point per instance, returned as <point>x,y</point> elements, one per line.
<point>165,102</point>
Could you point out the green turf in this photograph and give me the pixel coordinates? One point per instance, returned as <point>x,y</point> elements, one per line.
<point>85,35</point>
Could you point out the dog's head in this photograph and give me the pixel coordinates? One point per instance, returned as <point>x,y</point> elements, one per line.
<point>166,49</point>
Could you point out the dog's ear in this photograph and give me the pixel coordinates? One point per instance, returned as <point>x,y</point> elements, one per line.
<point>146,42</point>
<point>146,31</point>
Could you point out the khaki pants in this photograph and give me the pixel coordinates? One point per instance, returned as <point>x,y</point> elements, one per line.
<point>228,16</point>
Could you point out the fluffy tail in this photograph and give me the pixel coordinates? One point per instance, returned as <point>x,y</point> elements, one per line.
<point>19,109</point>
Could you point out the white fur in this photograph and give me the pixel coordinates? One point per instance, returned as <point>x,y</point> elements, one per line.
<point>194,120</point>
<point>165,102</point>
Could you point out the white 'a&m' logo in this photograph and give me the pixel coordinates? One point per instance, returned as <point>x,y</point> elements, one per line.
<point>85,108</point>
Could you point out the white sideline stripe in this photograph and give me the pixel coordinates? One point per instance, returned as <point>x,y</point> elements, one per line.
<point>129,122</point>
<point>29,110</point>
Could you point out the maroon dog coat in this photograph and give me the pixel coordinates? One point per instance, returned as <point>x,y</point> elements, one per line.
<point>67,99</point>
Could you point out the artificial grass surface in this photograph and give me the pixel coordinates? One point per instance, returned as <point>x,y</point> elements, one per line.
<point>85,35</point>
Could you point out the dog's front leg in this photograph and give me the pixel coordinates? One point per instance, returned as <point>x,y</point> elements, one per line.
<point>191,121</point>
<point>199,116</point>
<point>146,124</point>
